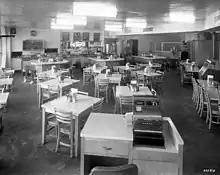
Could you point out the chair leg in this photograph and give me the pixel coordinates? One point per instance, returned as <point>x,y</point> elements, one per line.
<point>201,110</point>
<point>210,122</point>
<point>207,115</point>
<point>71,146</point>
<point>58,138</point>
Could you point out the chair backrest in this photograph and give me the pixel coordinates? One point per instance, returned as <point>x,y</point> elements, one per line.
<point>2,89</point>
<point>82,93</point>
<point>130,169</point>
<point>154,92</point>
<point>126,100</point>
<point>114,92</point>
<point>102,82</point>
<point>63,116</point>
<point>207,99</point>
<point>4,75</point>
<point>97,107</point>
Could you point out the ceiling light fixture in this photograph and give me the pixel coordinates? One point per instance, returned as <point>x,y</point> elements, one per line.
<point>182,17</point>
<point>60,27</point>
<point>94,9</point>
<point>67,19</point>
<point>136,23</point>
<point>113,26</point>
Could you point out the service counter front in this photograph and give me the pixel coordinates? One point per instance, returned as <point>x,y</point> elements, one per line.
<point>43,66</point>
<point>107,62</point>
<point>155,59</point>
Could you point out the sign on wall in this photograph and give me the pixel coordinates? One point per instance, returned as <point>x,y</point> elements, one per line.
<point>77,36</point>
<point>96,37</point>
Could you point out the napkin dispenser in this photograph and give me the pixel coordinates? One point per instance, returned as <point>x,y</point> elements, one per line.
<point>134,86</point>
<point>94,67</point>
<point>150,64</point>
<point>73,94</point>
<point>108,73</point>
<point>129,118</point>
<point>146,69</point>
<point>210,79</point>
<point>53,68</point>
<point>127,65</point>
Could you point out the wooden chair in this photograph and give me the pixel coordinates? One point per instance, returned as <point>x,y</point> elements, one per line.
<point>130,169</point>
<point>115,98</point>
<point>213,111</point>
<point>126,101</point>
<point>2,89</point>
<point>102,86</point>
<point>50,93</point>
<point>141,79</point>
<point>40,79</point>
<point>115,69</point>
<point>87,76</point>
<point>4,76</point>
<point>97,107</point>
<point>65,126</point>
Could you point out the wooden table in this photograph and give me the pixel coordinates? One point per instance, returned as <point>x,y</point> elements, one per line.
<point>154,65</point>
<point>42,66</point>
<point>4,99</point>
<point>148,74</point>
<point>127,69</point>
<point>7,82</point>
<point>125,91</point>
<point>114,78</point>
<point>67,83</point>
<point>211,89</point>
<point>79,108</point>
<point>110,138</point>
<point>50,73</point>
<point>113,138</point>
<point>98,70</point>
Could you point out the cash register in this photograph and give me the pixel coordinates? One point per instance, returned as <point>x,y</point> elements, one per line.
<point>148,122</point>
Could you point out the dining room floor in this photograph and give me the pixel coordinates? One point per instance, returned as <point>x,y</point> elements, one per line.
<point>21,152</point>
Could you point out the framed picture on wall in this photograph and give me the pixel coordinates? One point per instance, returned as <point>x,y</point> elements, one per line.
<point>77,36</point>
<point>85,36</point>
<point>65,36</point>
<point>96,37</point>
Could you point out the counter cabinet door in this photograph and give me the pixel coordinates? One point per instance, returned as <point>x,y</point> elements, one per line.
<point>156,168</point>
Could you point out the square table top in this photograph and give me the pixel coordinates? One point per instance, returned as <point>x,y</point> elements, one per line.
<point>125,68</point>
<point>110,126</point>
<point>189,68</point>
<point>4,97</point>
<point>55,82</point>
<point>50,73</point>
<point>211,89</point>
<point>125,91</point>
<point>83,103</point>
<point>98,69</point>
<point>148,74</point>
<point>6,81</point>
<point>113,78</point>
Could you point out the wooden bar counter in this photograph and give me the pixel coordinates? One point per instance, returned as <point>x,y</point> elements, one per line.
<point>107,62</point>
<point>43,66</point>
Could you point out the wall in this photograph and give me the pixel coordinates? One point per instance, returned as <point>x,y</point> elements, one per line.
<point>144,41</point>
<point>52,38</point>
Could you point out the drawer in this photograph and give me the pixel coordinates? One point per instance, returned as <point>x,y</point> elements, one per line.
<point>106,147</point>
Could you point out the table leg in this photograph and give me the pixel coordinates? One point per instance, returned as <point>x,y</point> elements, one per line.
<point>40,97</point>
<point>82,157</point>
<point>76,135</point>
<point>43,126</point>
<point>37,85</point>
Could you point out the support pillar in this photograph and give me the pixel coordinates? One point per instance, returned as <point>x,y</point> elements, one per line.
<point>214,45</point>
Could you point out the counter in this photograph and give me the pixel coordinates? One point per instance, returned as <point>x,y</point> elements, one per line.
<point>155,59</point>
<point>43,66</point>
<point>112,138</point>
<point>107,62</point>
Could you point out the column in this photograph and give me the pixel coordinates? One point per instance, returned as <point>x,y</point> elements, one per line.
<point>4,48</point>
<point>8,48</point>
<point>214,45</point>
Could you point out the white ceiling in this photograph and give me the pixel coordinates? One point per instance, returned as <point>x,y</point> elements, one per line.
<point>37,13</point>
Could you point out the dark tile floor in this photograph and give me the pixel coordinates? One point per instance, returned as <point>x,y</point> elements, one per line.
<point>21,152</point>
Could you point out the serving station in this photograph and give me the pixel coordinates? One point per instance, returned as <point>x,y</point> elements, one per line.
<point>107,62</point>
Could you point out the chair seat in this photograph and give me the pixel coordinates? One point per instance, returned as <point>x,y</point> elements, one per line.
<point>49,94</point>
<point>65,129</point>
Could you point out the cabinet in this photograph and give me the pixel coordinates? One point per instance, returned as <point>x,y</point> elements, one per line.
<point>16,64</point>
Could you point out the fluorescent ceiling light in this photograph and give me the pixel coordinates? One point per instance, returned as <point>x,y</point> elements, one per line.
<point>64,27</point>
<point>113,26</point>
<point>136,23</point>
<point>94,9</point>
<point>68,19</point>
<point>182,17</point>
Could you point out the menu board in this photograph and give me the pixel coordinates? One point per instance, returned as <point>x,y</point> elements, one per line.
<point>77,36</point>
<point>65,36</point>
<point>86,36</point>
<point>96,37</point>
<point>33,45</point>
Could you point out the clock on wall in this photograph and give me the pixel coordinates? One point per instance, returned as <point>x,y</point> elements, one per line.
<point>33,33</point>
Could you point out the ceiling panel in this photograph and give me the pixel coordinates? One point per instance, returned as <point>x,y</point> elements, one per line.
<point>21,12</point>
